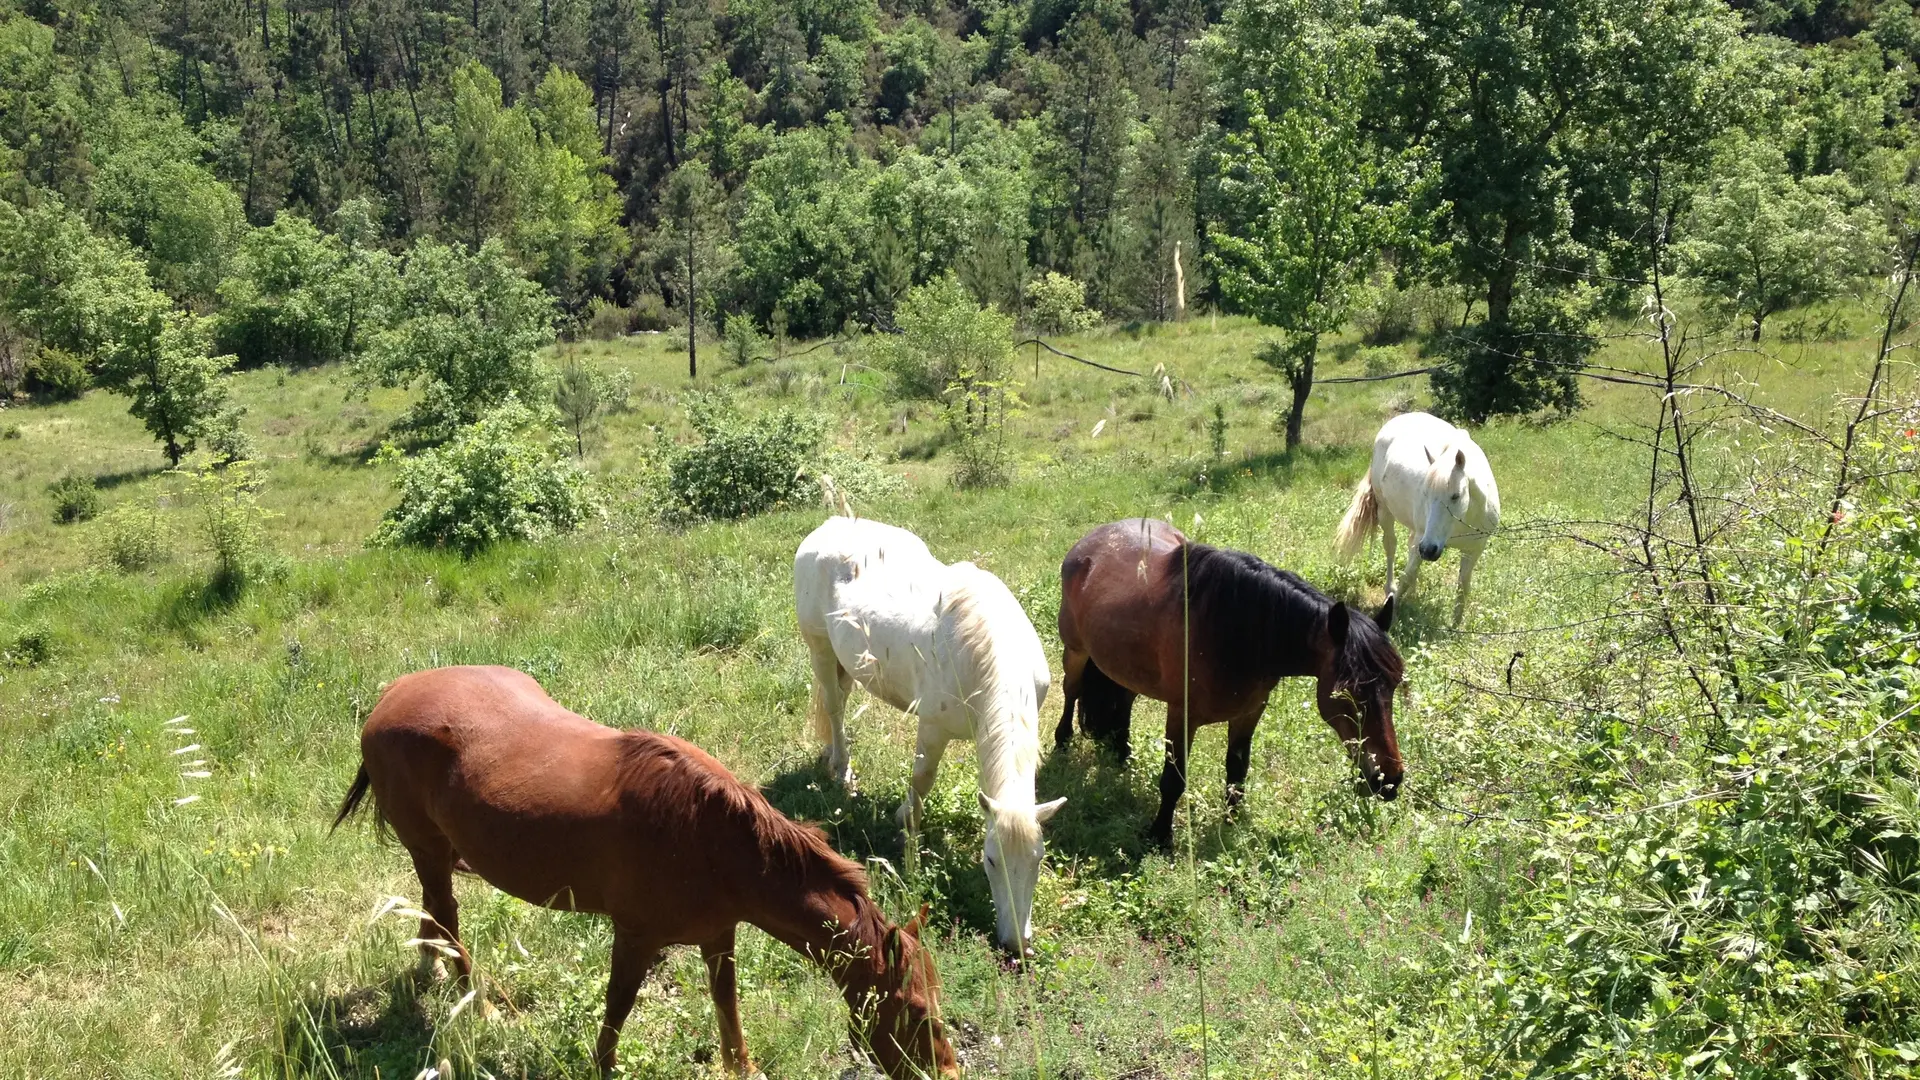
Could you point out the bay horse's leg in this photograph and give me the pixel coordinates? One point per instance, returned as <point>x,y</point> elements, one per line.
<point>433,863</point>
<point>831,685</point>
<point>1173,776</point>
<point>1239,757</point>
<point>718,954</point>
<point>632,959</point>
<point>929,747</point>
<point>1073,666</point>
<point>1467,559</point>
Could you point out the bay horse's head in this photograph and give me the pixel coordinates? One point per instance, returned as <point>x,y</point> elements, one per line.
<point>1358,700</point>
<point>1012,855</point>
<point>905,1032</point>
<point>1446,501</point>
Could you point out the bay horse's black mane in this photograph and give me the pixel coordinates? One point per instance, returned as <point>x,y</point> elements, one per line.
<point>1253,612</point>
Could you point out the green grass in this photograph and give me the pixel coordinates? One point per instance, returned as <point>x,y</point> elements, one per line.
<point>155,924</point>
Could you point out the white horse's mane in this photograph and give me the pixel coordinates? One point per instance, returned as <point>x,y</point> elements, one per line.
<point>986,619</point>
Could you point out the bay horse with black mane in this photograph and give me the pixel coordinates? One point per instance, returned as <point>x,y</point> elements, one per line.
<point>477,765</point>
<point>1133,593</point>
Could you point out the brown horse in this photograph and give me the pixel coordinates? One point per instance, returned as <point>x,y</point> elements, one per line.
<point>1124,615</point>
<point>477,765</point>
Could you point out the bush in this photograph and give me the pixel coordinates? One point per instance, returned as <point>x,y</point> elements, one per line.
<point>232,522</point>
<point>226,439</point>
<point>130,538</point>
<point>742,465</point>
<point>1525,367</point>
<point>501,478</point>
<point>1058,305</point>
<point>74,499</point>
<point>57,375</point>
<point>606,320</point>
<point>744,341</point>
<point>945,338</point>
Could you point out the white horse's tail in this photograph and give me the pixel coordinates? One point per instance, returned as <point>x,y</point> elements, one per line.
<point>835,499</point>
<point>1362,517</point>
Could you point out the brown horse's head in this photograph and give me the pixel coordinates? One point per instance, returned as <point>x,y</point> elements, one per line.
<point>905,1031</point>
<point>1358,699</point>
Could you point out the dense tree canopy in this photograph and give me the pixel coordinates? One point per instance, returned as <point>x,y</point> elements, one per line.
<point>265,163</point>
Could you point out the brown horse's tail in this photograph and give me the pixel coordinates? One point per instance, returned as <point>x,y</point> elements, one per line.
<point>1362,517</point>
<point>362,783</point>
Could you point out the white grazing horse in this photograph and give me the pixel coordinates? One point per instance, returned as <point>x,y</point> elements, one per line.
<point>952,646</point>
<point>1431,477</point>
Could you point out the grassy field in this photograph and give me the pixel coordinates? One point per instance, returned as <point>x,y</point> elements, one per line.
<point>171,904</point>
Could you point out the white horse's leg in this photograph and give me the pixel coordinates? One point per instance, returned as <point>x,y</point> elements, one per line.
<point>1409,577</point>
<point>831,684</point>
<point>928,749</point>
<point>1386,542</point>
<point>1467,559</point>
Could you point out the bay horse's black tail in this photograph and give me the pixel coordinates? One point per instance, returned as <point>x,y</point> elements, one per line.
<point>1106,710</point>
<point>362,783</point>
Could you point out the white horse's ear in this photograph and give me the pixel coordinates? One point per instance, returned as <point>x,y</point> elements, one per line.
<point>1459,460</point>
<point>988,806</point>
<point>1428,450</point>
<point>1045,811</point>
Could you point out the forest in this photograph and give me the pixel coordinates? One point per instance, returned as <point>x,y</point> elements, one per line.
<point>342,340</point>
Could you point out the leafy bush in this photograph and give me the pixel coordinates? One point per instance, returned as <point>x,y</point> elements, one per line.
<point>295,295</point>
<point>1524,367</point>
<point>57,375</point>
<point>129,538</point>
<point>742,465</point>
<point>944,338</point>
<point>226,439</point>
<point>74,499</point>
<point>744,341</point>
<point>1058,305</point>
<point>607,320</point>
<point>500,478</point>
<point>232,521</point>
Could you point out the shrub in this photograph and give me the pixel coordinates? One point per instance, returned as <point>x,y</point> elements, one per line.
<point>742,465</point>
<point>944,338</point>
<point>744,341</point>
<point>74,499</point>
<point>500,478</point>
<point>226,439</point>
<point>57,375</point>
<point>1524,367</point>
<point>130,538</point>
<point>232,521</point>
<point>1058,305</point>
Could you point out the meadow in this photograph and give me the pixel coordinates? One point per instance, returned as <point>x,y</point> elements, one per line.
<point>172,904</point>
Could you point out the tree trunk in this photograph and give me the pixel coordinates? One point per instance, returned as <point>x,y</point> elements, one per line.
<point>1302,380</point>
<point>693,365</point>
<point>1500,282</point>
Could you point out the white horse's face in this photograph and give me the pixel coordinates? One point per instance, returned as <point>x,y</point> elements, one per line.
<point>1011,857</point>
<point>1446,502</point>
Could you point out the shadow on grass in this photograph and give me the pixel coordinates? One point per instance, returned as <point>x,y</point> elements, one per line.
<point>1273,469</point>
<point>108,481</point>
<point>184,604</point>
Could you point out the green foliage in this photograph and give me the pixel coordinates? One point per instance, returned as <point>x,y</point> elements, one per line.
<point>742,465</point>
<point>296,295</point>
<point>500,478</point>
<point>1762,240</point>
<point>1057,304</point>
<point>1523,367</point>
<point>580,395</point>
<point>232,522</point>
<point>57,375</point>
<point>945,339</point>
<point>804,229</point>
<point>130,537</point>
<point>469,330</point>
<point>744,341</point>
<point>152,187</point>
<point>158,358</point>
<point>1217,431</point>
<point>74,499</point>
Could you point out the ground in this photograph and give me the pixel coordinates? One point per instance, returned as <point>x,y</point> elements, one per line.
<point>172,903</point>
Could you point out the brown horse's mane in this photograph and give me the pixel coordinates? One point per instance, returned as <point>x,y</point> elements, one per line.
<point>1252,612</point>
<point>683,781</point>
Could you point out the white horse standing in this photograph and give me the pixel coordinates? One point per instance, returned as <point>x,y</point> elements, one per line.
<point>1431,477</point>
<point>951,645</point>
